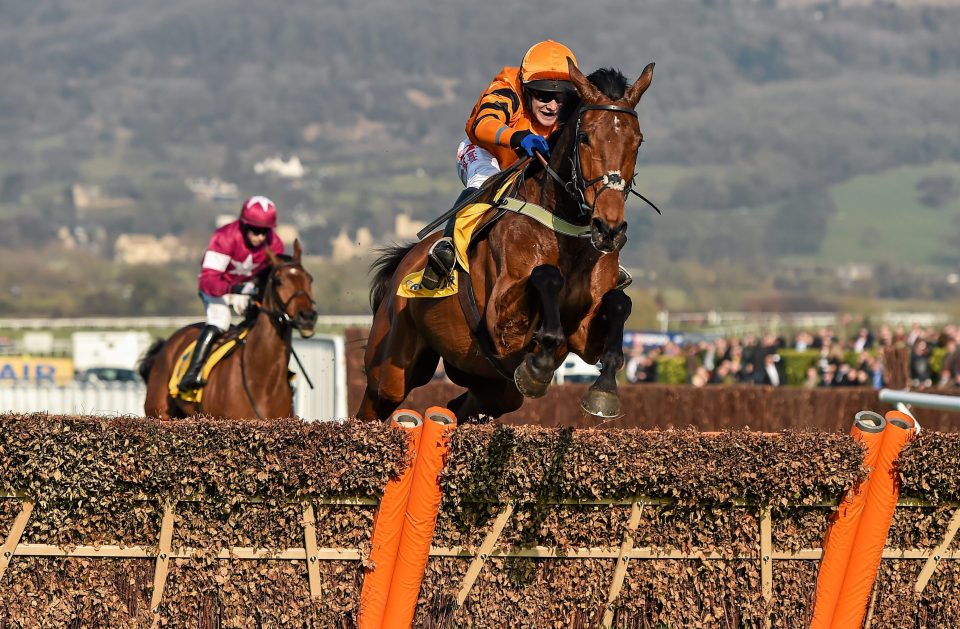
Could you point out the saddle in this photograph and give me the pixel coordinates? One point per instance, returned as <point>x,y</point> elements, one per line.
<point>230,341</point>
<point>474,219</point>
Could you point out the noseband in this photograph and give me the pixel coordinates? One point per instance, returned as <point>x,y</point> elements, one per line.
<point>577,186</point>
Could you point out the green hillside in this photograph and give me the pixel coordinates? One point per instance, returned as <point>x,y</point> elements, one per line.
<point>880,219</point>
<point>778,140</point>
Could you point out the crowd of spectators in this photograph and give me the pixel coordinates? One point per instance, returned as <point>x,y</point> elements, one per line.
<point>759,359</point>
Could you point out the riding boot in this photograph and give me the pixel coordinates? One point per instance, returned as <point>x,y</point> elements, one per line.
<point>192,379</point>
<point>443,255</point>
<point>624,279</point>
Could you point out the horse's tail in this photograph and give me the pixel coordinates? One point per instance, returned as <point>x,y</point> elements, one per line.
<point>145,364</point>
<point>383,269</point>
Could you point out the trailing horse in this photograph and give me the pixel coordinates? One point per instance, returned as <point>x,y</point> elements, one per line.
<point>251,381</point>
<point>534,291</point>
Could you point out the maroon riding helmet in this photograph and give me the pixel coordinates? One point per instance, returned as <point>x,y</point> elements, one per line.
<point>259,212</point>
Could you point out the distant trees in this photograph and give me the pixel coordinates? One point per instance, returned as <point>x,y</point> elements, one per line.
<point>755,105</point>
<point>800,223</point>
<point>937,191</point>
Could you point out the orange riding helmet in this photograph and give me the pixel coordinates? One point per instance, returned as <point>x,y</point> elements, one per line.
<point>544,67</point>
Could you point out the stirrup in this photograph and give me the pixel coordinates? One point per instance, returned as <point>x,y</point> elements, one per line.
<point>192,383</point>
<point>624,279</point>
<point>439,265</point>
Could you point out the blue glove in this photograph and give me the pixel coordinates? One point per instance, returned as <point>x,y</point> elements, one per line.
<point>534,143</point>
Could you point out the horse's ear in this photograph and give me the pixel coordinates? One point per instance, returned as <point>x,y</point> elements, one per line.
<point>587,90</point>
<point>297,251</point>
<point>637,89</point>
<point>272,257</point>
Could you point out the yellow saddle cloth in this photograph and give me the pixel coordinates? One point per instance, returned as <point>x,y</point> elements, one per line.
<point>410,286</point>
<point>180,368</point>
<point>469,218</point>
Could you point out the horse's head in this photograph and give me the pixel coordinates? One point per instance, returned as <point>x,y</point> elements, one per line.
<point>290,288</point>
<point>605,143</point>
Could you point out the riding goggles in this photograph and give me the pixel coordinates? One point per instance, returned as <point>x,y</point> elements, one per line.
<point>545,97</point>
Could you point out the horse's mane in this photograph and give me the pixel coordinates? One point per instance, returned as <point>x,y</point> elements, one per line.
<point>610,81</point>
<point>264,274</point>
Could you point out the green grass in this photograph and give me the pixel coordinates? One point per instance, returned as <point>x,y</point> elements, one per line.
<point>880,219</point>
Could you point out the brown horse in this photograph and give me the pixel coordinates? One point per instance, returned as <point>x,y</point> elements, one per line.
<point>539,294</point>
<point>252,381</point>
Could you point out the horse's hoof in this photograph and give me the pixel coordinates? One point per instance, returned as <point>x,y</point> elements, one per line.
<point>527,384</point>
<point>601,403</point>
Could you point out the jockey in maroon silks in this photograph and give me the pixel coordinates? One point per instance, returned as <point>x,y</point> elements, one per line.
<point>234,257</point>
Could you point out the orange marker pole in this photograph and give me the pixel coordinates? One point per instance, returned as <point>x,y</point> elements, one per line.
<point>874,524</point>
<point>420,520</point>
<point>868,428</point>
<point>387,525</point>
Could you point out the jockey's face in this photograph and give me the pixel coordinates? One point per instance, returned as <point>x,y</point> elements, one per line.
<point>256,236</point>
<point>546,106</point>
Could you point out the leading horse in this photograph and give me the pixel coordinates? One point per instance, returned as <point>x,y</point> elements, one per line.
<point>252,381</point>
<point>538,294</point>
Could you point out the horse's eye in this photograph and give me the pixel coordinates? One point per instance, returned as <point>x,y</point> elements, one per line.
<point>584,139</point>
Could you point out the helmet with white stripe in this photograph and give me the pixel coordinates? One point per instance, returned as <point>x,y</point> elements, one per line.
<point>259,212</point>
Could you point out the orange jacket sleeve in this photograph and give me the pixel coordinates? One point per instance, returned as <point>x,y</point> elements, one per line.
<point>495,114</point>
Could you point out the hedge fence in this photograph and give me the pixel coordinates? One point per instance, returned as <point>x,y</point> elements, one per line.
<point>208,523</point>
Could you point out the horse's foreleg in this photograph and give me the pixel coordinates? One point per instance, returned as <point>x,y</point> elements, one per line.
<point>602,399</point>
<point>534,374</point>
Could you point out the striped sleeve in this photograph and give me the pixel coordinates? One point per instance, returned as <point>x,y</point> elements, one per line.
<point>215,260</point>
<point>214,279</point>
<point>491,122</point>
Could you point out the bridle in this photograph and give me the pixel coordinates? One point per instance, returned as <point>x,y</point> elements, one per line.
<point>280,317</point>
<point>577,186</point>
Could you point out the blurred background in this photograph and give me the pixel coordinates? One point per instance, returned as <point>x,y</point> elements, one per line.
<point>806,154</point>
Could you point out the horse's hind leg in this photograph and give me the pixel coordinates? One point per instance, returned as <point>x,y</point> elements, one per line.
<point>602,399</point>
<point>485,396</point>
<point>397,361</point>
<point>158,403</point>
<point>535,373</point>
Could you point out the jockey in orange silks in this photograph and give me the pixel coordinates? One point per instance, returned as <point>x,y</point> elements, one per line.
<point>512,119</point>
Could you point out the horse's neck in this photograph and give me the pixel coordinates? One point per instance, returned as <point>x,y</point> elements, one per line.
<point>548,192</point>
<point>266,338</point>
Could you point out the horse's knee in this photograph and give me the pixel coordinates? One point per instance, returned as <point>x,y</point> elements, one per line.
<point>547,279</point>
<point>616,305</point>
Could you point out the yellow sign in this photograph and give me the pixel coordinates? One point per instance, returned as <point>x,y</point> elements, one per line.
<point>35,370</point>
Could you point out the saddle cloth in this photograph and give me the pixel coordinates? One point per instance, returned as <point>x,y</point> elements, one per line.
<point>469,219</point>
<point>180,367</point>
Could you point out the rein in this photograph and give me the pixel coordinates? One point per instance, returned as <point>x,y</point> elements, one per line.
<point>576,186</point>
<point>284,325</point>
<point>279,317</point>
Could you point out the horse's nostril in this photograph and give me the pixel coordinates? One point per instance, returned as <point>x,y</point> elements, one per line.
<point>609,231</point>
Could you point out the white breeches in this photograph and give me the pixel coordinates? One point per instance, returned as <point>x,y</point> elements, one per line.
<point>475,164</point>
<point>218,311</point>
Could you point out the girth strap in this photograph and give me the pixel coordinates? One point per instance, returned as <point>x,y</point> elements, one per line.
<point>468,304</point>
